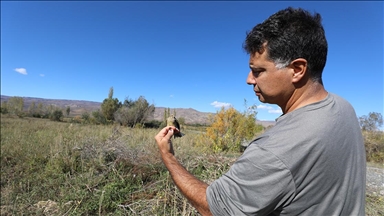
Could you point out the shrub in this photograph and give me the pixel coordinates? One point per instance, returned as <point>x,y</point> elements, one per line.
<point>56,115</point>
<point>374,146</point>
<point>230,128</point>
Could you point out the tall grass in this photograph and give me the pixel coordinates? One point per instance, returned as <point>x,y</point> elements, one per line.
<point>56,168</point>
<point>374,146</point>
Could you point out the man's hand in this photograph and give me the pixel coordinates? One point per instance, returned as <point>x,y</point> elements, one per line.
<point>163,140</point>
<point>191,187</point>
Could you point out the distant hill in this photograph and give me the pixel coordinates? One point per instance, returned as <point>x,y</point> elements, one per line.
<point>78,107</point>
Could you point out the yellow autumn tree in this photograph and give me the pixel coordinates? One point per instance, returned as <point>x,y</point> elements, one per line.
<point>230,128</point>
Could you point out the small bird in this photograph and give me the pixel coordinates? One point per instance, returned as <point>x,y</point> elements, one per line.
<point>172,121</point>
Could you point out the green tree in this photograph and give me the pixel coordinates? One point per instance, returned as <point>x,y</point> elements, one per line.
<point>128,102</point>
<point>68,110</point>
<point>181,121</point>
<point>165,116</point>
<point>167,113</point>
<point>110,94</point>
<point>372,122</point>
<point>110,105</point>
<point>98,118</point>
<point>4,107</point>
<point>86,117</point>
<point>32,109</point>
<point>134,113</point>
<point>40,110</point>
<point>16,106</point>
<point>56,115</point>
<point>48,111</point>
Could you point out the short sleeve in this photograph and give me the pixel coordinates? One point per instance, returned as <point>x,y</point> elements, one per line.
<point>258,183</point>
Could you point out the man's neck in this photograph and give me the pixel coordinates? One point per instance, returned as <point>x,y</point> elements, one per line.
<point>305,95</point>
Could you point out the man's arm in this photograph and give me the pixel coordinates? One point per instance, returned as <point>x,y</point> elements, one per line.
<point>191,187</point>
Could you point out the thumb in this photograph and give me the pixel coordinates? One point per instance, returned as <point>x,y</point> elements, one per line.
<point>170,133</point>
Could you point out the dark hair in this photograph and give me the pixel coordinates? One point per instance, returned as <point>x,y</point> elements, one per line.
<point>290,34</point>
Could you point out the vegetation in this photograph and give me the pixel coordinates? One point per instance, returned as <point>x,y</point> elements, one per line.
<point>87,166</point>
<point>229,129</point>
<point>373,137</point>
<point>372,122</point>
<point>133,113</point>
<point>110,105</point>
<point>56,168</point>
<point>14,106</point>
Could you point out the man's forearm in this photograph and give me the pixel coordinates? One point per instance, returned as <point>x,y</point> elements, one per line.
<point>191,187</point>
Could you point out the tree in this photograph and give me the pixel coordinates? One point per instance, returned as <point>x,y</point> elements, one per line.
<point>68,110</point>
<point>167,113</point>
<point>98,117</point>
<point>230,128</point>
<point>372,122</point>
<point>133,113</point>
<point>39,111</point>
<point>4,107</point>
<point>128,102</point>
<point>110,105</point>
<point>15,106</point>
<point>165,116</point>
<point>48,110</point>
<point>56,115</point>
<point>110,94</point>
<point>86,117</point>
<point>32,109</point>
<point>181,121</point>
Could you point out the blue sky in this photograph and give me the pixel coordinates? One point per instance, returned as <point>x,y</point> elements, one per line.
<point>176,54</point>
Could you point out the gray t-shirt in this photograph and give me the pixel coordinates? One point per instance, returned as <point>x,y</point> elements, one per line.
<point>312,162</point>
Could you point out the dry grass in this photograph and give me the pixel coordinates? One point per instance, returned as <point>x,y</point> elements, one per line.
<point>56,168</point>
<point>374,146</point>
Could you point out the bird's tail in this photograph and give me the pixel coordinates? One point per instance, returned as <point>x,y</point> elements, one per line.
<point>178,134</point>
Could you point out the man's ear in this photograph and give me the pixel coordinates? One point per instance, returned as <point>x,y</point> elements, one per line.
<point>299,67</point>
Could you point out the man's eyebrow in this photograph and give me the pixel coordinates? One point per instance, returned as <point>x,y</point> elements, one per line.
<point>252,67</point>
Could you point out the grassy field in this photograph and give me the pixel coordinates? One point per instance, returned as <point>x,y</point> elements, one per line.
<point>58,168</point>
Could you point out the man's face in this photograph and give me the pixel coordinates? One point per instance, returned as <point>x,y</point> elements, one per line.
<point>271,85</point>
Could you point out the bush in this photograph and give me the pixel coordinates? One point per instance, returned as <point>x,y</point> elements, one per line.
<point>230,129</point>
<point>374,146</point>
<point>135,112</point>
<point>98,118</point>
<point>56,115</point>
<point>152,124</point>
<point>100,170</point>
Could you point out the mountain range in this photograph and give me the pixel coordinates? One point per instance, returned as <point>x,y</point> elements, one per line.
<point>78,107</point>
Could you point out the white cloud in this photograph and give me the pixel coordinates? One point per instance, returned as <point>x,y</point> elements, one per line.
<point>217,104</point>
<point>42,75</point>
<point>171,96</point>
<point>264,107</point>
<point>270,109</point>
<point>277,111</point>
<point>21,71</point>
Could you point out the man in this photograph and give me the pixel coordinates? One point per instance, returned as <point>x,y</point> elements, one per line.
<point>312,162</point>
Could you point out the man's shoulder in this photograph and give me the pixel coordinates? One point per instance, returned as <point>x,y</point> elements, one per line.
<point>338,98</point>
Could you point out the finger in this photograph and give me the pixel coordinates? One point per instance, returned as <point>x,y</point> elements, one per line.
<point>162,133</point>
<point>171,131</point>
<point>166,133</point>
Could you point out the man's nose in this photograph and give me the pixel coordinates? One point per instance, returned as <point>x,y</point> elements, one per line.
<point>251,80</point>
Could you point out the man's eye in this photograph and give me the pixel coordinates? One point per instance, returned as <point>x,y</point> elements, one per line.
<point>256,73</point>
